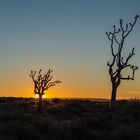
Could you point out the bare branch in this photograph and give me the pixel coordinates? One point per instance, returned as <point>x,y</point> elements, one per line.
<point>129,56</point>
<point>127,78</point>
<point>126,28</point>
<point>116,40</point>
<point>32,74</point>
<point>52,84</point>
<point>134,68</point>
<point>132,25</point>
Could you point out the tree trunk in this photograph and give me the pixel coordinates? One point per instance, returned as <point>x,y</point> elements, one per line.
<point>113,99</point>
<point>40,104</point>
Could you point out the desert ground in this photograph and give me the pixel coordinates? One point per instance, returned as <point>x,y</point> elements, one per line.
<point>68,119</point>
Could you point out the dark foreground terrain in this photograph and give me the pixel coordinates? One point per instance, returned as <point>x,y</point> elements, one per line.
<point>68,120</point>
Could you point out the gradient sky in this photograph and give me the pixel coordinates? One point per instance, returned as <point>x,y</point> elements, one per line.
<point>67,36</point>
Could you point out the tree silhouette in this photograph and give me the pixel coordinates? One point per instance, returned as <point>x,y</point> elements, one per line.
<point>41,84</point>
<point>118,64</point>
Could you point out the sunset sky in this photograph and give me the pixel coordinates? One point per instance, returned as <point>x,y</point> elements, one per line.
<point>69,37</point>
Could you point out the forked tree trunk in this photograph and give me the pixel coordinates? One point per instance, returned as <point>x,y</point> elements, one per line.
<point>40,104</point>
<point>118,64</point>
<point>113,99</point>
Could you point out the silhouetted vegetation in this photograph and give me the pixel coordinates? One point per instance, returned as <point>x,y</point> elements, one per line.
<point>41,84</point>
<point>118,64</point>
<point>72,119</point>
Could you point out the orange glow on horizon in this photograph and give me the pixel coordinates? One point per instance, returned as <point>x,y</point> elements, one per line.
<point>127,90</point>
<point>37,96</point>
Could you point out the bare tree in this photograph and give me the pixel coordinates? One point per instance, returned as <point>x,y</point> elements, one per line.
<point>41,84</point>
<point>118,64</point>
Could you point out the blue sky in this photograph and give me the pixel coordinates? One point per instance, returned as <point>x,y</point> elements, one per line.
<point>67,36</point>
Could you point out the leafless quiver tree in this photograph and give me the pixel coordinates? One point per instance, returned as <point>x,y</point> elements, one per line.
<point>41,84</point>
<point>118,64</point>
